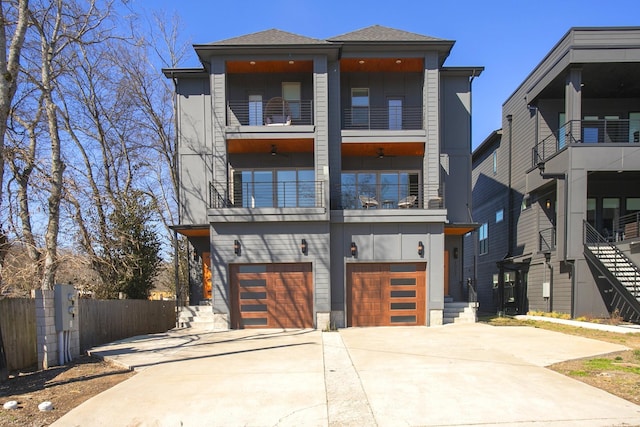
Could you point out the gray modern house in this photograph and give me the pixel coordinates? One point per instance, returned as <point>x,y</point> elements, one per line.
<point>325,180</point>
<point>557,190</point>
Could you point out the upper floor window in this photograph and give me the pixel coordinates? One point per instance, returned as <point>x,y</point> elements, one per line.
<point>483,239</point>
<point>391,189</point>
<point>499,215</point>
<point>267,188</point>
<point>291,94</point>
<point>395,113</point>
<point>360,106</point>
<point>495,162</point>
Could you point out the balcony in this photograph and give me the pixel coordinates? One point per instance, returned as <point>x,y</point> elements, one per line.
<point>384,196</point>
<point>601,131</point>
<point>274,112</point>
<point>259,194</point>
<point>382,118</point>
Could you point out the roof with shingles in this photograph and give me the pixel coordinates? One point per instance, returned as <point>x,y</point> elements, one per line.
<point>269,37</point>
<point>379,33</point>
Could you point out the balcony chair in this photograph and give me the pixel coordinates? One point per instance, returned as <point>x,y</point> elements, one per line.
<point>368,202</point>
<point>277,112</point>
<point>407,202</point>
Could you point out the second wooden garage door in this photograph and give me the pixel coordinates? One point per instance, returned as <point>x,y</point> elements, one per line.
<point>386,294</point>
<point>272,296</point>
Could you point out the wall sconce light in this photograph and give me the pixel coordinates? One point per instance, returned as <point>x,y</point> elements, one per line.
<point>455,253</point>
<point>354,249</point>
<point>195,256</point>
<point>548,204</point>
<point>236,247</point>
<point>420,249</point>
<point>303,246</point>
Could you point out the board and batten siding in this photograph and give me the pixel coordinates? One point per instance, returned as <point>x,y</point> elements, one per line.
<point>266,243</point>
<point>194,128</point>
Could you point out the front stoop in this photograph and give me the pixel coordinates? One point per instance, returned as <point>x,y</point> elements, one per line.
<point>460,312</point>
<point>196,317</point>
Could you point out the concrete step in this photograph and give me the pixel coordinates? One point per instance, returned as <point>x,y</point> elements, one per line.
<point>196,316</point>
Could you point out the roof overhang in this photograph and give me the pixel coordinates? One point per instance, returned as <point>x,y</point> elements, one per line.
<point>192,230</point>
<point>459,229</point>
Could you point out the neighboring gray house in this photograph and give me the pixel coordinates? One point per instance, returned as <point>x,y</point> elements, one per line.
<point>557,189</point>
<point>325,180</point>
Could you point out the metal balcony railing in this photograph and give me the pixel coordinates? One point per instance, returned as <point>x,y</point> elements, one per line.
<point>273,112</point>
<point>382,118</point>
<point>601,131</point>
<point>629,226</point>
<point>283,194</point>
<point>388,196</point>
<point>547,239</point>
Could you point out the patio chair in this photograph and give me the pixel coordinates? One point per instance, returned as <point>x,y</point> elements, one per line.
<point>368,202</point>
<point>407,202</point>
<point>277,112</point>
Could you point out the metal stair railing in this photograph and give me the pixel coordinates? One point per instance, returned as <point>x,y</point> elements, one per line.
<point>617,269</point>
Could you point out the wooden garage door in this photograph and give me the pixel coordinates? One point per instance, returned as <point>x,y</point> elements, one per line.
<point>386,294</point>
<point>272,296</point>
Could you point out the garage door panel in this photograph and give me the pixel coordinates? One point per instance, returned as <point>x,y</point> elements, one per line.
<point>272,296</point>
<point>386,294</point>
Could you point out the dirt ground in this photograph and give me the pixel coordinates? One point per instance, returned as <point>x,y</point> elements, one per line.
<point>65,387</point>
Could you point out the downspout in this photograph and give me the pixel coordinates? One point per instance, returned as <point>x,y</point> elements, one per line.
<point>176,249</point>
<point>510,195</point>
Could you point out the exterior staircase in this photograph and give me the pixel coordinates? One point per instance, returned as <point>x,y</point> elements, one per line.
<point>196,317</point>
<point>459,312</point>
<point>621,273</point>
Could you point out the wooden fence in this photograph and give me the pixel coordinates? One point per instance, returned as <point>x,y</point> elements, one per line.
<point>18,322</point>
<point>103,321</point>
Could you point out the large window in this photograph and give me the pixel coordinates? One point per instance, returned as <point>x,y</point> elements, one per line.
<point>255,110</point>
<point>360,107</point>
<point>483,239</point>
<point>379,189</point>
<point>285,188</point>
<point>395,113</point>
<point>291,94</point>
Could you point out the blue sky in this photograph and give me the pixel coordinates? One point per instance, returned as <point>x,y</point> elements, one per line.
<point>509,38</point>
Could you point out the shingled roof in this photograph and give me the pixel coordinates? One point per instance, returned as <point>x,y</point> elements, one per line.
<point>269,37</point>
<point>379,33</point>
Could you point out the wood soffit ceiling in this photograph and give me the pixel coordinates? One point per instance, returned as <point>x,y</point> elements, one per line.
<point>347,65</point>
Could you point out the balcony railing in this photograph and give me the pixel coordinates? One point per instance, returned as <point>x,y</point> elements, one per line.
<point>283,194</point>
<point>547,240</point>
<point>604,131</point>
<point>388,196</point>
<point>273,112</point>
<point>629,226</point>
<point>382,118</point>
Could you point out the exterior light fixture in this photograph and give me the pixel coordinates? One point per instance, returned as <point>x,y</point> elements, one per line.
<point>398,61</point>
<point>274,150</point>
<point>354,249</point>
<point>292,62</point>
<point>548,204</point>
<point>420,249</point>
<point>252,62</point>
<point>195,256</point>
<point>455,253</point>
<point>361,61</point>
<point>303,246</point>
<point>236,247</point>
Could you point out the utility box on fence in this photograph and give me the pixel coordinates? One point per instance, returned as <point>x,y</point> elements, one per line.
<point>66,305</point>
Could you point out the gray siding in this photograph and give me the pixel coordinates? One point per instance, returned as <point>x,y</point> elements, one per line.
<point>194,129</point>
<point>269,243</point>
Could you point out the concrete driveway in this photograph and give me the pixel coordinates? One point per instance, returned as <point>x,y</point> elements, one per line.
<point>446,376</point>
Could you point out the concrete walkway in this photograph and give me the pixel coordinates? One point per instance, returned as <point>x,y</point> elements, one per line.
<point>444,376</point>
